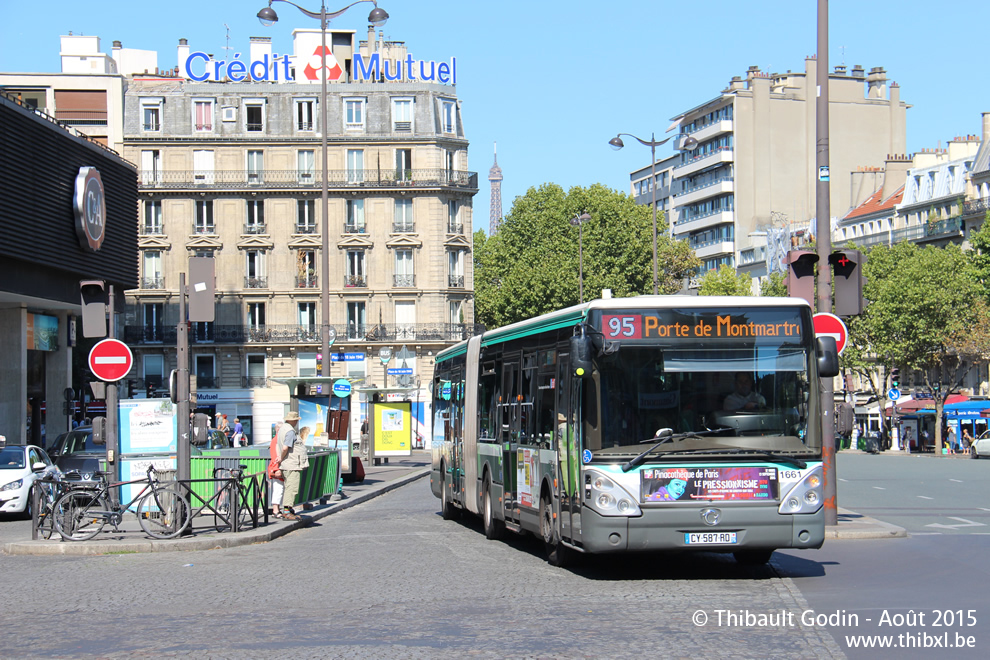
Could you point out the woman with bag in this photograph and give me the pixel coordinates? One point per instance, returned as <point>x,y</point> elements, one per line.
<point>276,476</point>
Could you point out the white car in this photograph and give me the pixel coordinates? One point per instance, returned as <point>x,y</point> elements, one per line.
<point>980,446</point>
<point>17,477</point>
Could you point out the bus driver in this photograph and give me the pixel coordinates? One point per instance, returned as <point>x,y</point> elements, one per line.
<point>744,398</point>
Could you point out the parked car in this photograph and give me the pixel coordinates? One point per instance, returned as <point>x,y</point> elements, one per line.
<point>980,446</point>
<point>216,440</point>
<point>17,476</point>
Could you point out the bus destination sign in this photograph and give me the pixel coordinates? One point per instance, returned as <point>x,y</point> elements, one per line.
<point>701,326</point>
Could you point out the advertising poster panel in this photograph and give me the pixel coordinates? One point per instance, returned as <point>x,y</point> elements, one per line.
<point>709,483</point>
<point>392,429</point>
<point>147,426</point>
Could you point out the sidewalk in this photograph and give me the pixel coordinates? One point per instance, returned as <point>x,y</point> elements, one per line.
<point>379,479</point>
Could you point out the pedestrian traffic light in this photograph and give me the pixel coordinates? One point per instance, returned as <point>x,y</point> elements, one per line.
<point>847,270</point>
<point>801,275</point>
<point>93,295</point>
<point>895,377</point>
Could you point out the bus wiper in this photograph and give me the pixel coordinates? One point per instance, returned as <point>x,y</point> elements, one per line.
<point>666,435</point>
<point>761,453</point>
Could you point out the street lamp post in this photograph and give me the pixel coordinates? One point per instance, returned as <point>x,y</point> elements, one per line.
<point>579,220</point>
<point>377,17</point>
<point>652,143</point>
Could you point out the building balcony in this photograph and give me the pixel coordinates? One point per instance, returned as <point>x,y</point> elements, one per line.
<point>307,281</point>
<point>207,382</point>
<point>700,162</point>
<point>305,229</point>
<point>977,206</point>
<point>712,248</point>
<point>303,334</point>
<point>82,117</point>
<point>706,190</point>
<point>255,381</point>
<point>252,228</point>
<point>711,130</point>
<point>455,281</point>
<point>355,281</point>
<point>157,282</point>
<point>404,281</point>
<point>930,231</point>
<point>255,282</point>
<point>403,227</point>
<point>354,228</point>
<point>682,226</point>
<point>304,179</point>
<point>455,228</point>
<point>203,228</point>
<point>153,229</point>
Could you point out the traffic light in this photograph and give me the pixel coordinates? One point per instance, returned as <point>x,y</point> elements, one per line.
<point>847,270</point>
<point>895,377</point>
<point>801,275</point>
<point>93,296</point>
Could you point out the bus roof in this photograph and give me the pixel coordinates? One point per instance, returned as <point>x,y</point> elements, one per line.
<point>573,315</point>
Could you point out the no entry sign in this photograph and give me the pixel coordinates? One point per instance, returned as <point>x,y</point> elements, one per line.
<point>829,325</point>
<point>110,360</point>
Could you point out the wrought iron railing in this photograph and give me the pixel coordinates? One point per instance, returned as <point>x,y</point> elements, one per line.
<point>354,228</point>
<point>302,334</point>
<point>404,226</point>
<point>153,282</point>
<point>200,228</point>
<point>255,381</point>
<point>455,228</point>
<point>355,280</point>
<point>154,229</point>
<point>255,282</point>
<point>305,229</point>
<point>255,228</point>
<point>403,281</point>
<point>207,382</point>
<point>456,281</point>
<point>977,205</point>
<point>306,282</point>
<point>376,178</point>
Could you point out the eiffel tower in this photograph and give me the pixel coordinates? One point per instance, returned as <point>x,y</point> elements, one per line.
<point>495,214</point>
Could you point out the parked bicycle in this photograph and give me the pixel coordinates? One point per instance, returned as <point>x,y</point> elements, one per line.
<point>230,502</point>
<point>162,509</point>
<point>49,486</point>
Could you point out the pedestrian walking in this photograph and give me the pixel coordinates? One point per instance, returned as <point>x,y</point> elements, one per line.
<point>907,440</point>
<point>222,425</point>
<point>237,440</point>
<point>276,476</point>
<point>967,440</point>
<point>951,441</point>
<point>294,459</point>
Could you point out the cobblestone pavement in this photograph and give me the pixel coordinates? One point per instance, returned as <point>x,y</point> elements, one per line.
<point>391,579</point>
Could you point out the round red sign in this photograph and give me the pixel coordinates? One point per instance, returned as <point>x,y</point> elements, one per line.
<point>830,325</point>
<point>110,360</point>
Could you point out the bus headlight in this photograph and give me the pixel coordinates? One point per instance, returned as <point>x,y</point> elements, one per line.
<point>607,497</point>
<point>806,496</point>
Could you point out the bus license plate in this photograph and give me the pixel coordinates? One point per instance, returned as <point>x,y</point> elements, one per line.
<point>710,538</point>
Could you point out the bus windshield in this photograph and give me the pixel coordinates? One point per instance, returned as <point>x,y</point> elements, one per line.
<point>740,388</point>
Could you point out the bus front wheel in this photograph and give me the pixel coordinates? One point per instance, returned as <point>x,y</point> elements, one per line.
<point>557,553</point>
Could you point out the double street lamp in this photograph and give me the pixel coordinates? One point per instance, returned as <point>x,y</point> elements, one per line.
<point>652,143</point>
<point>377,17</point>
<point>579,220</point>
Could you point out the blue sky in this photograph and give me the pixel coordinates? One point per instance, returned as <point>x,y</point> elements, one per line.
<point>552,81</point>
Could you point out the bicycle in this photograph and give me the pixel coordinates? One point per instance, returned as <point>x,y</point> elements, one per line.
<point>231,500</point>
<point>50,485</point>
<point>162,510</point>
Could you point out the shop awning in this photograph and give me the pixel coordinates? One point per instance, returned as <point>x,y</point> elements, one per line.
<point>925,406</point>
<point>971,409</point>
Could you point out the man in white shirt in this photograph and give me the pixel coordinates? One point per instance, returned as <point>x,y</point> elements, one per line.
<point>744,397</point>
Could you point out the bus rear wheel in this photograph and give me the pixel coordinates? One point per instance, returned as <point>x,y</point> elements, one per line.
<point>752,557</point>
<point>557,553</point>
<point>447,508</point>
<point>494,528</point>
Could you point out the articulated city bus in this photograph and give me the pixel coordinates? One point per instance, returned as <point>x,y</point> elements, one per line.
<point>639,424</point>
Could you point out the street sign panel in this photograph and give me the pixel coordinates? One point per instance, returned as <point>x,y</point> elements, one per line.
<point>893,394</point>
<point>830,325</point>
<point>110,360</point>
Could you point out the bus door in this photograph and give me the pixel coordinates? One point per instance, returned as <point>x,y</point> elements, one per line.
<point>568,451</point>
<point>509,420</point>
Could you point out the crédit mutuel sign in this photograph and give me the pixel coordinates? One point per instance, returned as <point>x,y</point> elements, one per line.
<point>199,67</point>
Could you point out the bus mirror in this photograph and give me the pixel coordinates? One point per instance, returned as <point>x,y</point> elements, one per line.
<point>828,357</point>
<point>581,356</point>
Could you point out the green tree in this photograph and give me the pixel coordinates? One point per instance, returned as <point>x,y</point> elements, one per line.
<point>920,317</point>
<point>775,286</point>
<point>979,256</point>
<point>530,266</point>
<point>725,282</point>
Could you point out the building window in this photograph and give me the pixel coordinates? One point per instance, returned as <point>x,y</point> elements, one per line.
<point>255,166</point>
<point>305,114</point>
<point>355,165</point>
<point>448,116</point>
<point>151,167</point>
<point>355,269</point>
<point>203,166</point>
<point>256,375</point>
<point>405,324</point>
<point>403,216</point>
<point>154,322</point>
<point>306,165</point>
<point>404,277</point>
<point>355,320</point>
<point>306,216</point>
<point>455,311</point>
<point>403,165</point>
<point>204,217</point>
<point>306,364</point>
<point>151,115</point>
<point>306,269</point>
<point>354,114</point>
<point>455,268</point>
<point>254,273</point>
<point>255,221</point>
<point>307,318</point>
<point>152,278</point>
<point>153,217</point>
<point>453,226</point>
<point>354,224</point>
<point>256,321</point>
<point>205,374</point>
<point>203,115</point>
<point>154,370</point>
<point>254,115</point>
<point>402,115</point>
